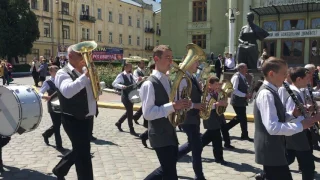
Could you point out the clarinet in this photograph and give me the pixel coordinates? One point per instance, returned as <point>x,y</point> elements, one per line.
<point>315,127</point>
<point>295,100</point>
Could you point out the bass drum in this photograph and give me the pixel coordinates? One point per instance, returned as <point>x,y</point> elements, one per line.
<point>20,110</point>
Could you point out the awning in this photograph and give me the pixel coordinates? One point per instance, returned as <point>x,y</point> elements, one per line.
<point>286,8</point>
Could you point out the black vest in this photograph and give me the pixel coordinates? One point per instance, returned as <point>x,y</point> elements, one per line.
<point>52,89</point>
<point>269,149</point>
<point>125,92</point>
<point>243,87</point>
<point>193,116</point>
<point>299,141</point>
<point>76,106</point>
<point>140,73</point>
<point>161,132</point>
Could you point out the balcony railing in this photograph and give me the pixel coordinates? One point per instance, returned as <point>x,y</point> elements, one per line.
<point>158,32</point>
<point>284,2</point>
<point>149,48</point>
<point>87,18</point>
<point>149,30</point>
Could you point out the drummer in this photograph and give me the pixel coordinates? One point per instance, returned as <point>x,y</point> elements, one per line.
<point>49,87</point>
<point>125,82</point>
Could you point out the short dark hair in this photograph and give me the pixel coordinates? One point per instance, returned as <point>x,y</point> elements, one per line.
<point>158,50</point>
<point>272,64</point>
<point>213,80</point>
<point>152,66</point>
<point>298,72</point>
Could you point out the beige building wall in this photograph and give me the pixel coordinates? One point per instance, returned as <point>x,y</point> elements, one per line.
<point>106,27</point>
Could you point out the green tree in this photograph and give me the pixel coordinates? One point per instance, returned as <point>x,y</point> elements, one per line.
<point>18,28</point>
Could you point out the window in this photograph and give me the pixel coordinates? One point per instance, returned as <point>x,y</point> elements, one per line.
<point>66,32</point>
<point>292,48</point>
<point>130,21</point>
<point>99,13</point>
<point>138,41</point>
<point>315,23</point>
<point>147,24</point>
<point>120,38</point>
<point>158,27</point>
<point>146,42</point>
<point>83,33</point>
<point>47,54</point>
<point>138,23</point>
<point>46,5</point>
<point>315,48</point>
<point>88,34</point>
<point>110,37</point>
<point>157,43</point>
<point>85,9</point>
<point>120,18</point>
<point>35,53</point>
<point>110,16</point>
<point>65,8</point>
<point>46,30</point>
<point>22,59</point>
<point>34,4</point>
<point>100,36</point>
<point>199,10</point>
<point>200,40</point>
<point>293,25</point>
<point>270,25</point>
<point>129,40</point>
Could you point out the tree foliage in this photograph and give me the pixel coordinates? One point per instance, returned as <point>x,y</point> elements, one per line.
<point>18,28</point>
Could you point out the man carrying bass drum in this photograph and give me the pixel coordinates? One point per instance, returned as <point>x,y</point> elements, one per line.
<point>78,107</point>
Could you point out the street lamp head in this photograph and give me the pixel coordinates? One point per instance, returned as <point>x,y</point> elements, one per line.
<point>57,1</point>
<point>237,12</point>
<point>227,14</point>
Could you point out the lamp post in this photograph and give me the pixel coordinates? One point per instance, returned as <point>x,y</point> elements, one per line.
<point>231,15</point>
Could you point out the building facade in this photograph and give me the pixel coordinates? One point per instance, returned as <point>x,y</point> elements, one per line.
<point>294,26</point>
<point>111,23</point>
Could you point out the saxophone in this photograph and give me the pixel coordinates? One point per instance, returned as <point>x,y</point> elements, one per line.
<point>226,89</point>
<point>195,53</point>
<point>85,48</point>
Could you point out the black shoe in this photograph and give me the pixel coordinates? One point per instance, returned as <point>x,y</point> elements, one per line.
<point>222,162</point>
<point>260,176</point>
<point>60,149</point>
<point>46,139</point>
<point>93,138</point>
<point>316,147</point>
<point>144,142</point>
<point>180,128</point>
<point>58,177</point>
<point>246,138</point>
<point>132,132</point>
<point>119,126</point>
<point>228,146</point>
<point>136,121</point>
<point>1,167</point>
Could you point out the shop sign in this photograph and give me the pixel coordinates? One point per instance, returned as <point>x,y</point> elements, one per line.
<point>294,34</point>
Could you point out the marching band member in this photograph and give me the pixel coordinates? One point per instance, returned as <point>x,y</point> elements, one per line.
<point>125,81</point>
<point>156,107</point>
<point>298,144</point>
<point>49,87</point>
<point>138,76</point>
<point>144,136</point>
<point>270,122</point>
<point>239,101</point>
<point>3,141</point>
<point>191,124</point>
<point>78,107</point>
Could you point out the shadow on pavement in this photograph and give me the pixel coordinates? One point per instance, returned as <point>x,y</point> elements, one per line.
<point>104,142</point>
<point>26,174</point>
<point>240,151</point>
<point>184,178</point>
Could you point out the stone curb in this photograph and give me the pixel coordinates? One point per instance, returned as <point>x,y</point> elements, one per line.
<point>136,107</point>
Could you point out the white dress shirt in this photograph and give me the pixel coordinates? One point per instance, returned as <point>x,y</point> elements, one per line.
<point>119,81</point>
<point>69,88</point>
<point>283,94</point>
<point>266,105</point>
<point>235,83</point>
<point>147,94</point>
<point>45,87</point>
<point>290,105</point>
<point>314,93</point>
<point>229,63</point>
<point>136,75</point>
<point>35,64</point>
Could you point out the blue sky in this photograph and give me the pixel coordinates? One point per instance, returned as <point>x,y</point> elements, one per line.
<point>158,0</point>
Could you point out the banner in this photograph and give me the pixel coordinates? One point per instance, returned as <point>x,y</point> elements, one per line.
<point>62,50</point>
<point>294,34</point>
<point>107,54</point>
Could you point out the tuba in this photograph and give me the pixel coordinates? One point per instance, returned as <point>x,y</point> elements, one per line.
<point>85,48</point>
<point>205,114</point>
<point>195,53</point>
<point>226,89</point>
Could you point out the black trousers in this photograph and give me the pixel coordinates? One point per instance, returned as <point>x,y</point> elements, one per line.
<point>277,172</point>
<point>36,77</point>
<point>214,136</point>
<point>240,118</point>
<point>138,114</point>
<point>225,134</point>
<point>168,157</point>
<point>5,79</point>
<point>79,133</point>
<point>194,141</point>
<point>3,141</point>
<point>144,135</point>
<point>305,161</point>
<point>128,114</point>
<point>55,128</point>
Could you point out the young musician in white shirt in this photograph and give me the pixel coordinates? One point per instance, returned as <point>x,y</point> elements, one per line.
<point>270,122</point>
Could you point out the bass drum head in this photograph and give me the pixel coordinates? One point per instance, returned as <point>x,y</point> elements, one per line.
<point>10,112</point>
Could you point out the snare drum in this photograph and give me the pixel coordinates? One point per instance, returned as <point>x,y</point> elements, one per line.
<point>134,96</point>
<point>20,110</point>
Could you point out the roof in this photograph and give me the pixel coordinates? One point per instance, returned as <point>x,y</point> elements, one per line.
<point>155,5</point>
<point>287,8</point>
<point>131,2</point>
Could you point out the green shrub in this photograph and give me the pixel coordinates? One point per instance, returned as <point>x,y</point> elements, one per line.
<point>108,73</point>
